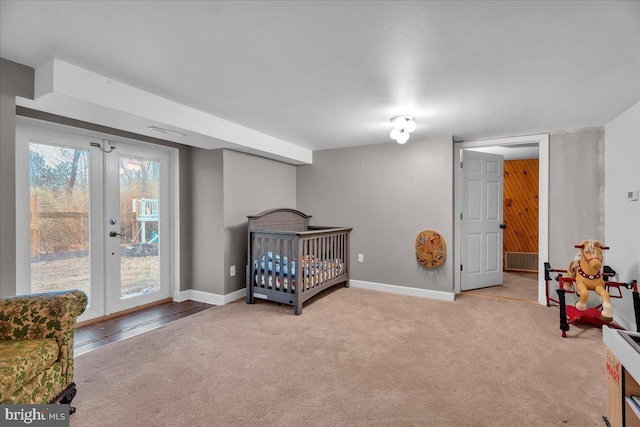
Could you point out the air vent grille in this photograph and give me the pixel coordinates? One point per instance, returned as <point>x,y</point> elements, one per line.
<point>521,261</point>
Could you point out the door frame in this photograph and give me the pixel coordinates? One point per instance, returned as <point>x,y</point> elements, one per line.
<point>22,200</point>
<point>543,199</point>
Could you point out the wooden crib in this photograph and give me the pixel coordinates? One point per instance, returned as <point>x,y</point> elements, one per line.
<point>290,261</point>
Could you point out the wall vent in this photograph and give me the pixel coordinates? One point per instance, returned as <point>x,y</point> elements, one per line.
<point>521,261</point>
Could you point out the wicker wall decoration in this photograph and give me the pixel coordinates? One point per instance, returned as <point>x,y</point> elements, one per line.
<point>431,249</point>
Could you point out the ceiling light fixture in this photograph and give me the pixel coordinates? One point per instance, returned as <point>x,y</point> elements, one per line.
<point>167,131</point>
<point>402,127</point>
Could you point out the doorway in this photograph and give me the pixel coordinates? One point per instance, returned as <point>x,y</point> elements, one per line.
<point>93,213</point>
<point>541,142</point>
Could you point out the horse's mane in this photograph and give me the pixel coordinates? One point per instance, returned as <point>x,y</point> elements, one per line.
<point>578,257</point>
<point>589,246</point>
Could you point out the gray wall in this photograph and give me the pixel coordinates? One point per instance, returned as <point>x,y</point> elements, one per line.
<point>207,221</point>
<point>251,185</point>
<point>15,80</point>
<point>576,193</point>
<point>388,193</point>
<point>226,186</point>
<point>622,157</point>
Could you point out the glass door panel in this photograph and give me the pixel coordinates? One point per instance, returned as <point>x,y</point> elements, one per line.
<point>137,205</point>
<point>139,227</point>
<point>59,218</point>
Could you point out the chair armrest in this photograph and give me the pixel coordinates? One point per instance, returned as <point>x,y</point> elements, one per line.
<point>45,315</point>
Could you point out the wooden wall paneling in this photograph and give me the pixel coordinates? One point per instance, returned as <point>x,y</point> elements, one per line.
<point>521,205</point>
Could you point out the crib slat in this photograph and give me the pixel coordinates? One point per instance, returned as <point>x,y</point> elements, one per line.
<point>330,240</point>
<point>256,257</point>
<point>329,267</point>
<point>332,257</point>
<point>309,255</point>
<point>344,255</point>
<point>312,272</point>
<point>329,264</point>
<point>298,261</point>
<point>326,258</point>
<point>289,263</point>
<point>322,258</point>
<point>249,270</point>
<point>266,266</point>
<point>316,261</point>
<point>338,257</point>
<point>290,260</point>
<point>265,256</point>
<point>298,299</point>
<point>341,254</point>
<point>274,250</point>
<point>304,276</point>
<point>347,256</point>
<point>309,260</point>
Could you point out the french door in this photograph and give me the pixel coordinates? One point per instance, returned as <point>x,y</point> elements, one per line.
<point>92,214</point>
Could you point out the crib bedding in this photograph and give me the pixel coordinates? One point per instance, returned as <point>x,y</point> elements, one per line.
<point>269,260</point>
<point>315,271</point>
<point>284,252</point>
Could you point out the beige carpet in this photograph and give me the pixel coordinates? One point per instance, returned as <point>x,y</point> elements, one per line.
<point>353,358</point>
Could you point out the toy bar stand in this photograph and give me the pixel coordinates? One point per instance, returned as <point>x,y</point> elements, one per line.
<point>570,314</point>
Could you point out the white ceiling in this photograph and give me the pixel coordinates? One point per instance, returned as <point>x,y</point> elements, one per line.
<point>331,74</point>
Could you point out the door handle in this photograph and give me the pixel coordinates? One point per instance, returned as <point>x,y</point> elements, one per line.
<point>115,234</point>
<point>503,226</point>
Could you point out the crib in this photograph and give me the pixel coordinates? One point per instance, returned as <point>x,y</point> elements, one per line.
<point>290,261</point>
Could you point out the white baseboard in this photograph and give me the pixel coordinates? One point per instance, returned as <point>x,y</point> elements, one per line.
<point>403,290</point>
<point>217,299</point>
<point>208,297</point>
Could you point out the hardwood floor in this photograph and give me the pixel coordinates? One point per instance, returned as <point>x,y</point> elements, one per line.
<point>90,337</point>
<point>516,286</point>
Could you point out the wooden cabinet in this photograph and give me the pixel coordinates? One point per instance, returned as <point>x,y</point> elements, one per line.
<point>623,366</point>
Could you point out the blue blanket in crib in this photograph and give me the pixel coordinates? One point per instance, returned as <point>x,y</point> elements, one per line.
<point>269,261</point>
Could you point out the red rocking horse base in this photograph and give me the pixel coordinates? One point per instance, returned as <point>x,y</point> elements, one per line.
<point>592,316</point>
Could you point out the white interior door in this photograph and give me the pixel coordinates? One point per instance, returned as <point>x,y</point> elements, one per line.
<point>71,195</point>
<point>481,238</point>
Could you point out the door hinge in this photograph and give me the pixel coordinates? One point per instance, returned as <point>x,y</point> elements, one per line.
<point>460,215</point>
<point>461,165</point>
<point>460,267</point>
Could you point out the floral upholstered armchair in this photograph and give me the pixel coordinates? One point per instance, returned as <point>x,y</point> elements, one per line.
<point>36,347</point>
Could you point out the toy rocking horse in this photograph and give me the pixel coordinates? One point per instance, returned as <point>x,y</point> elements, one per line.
<point>585,270</point>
